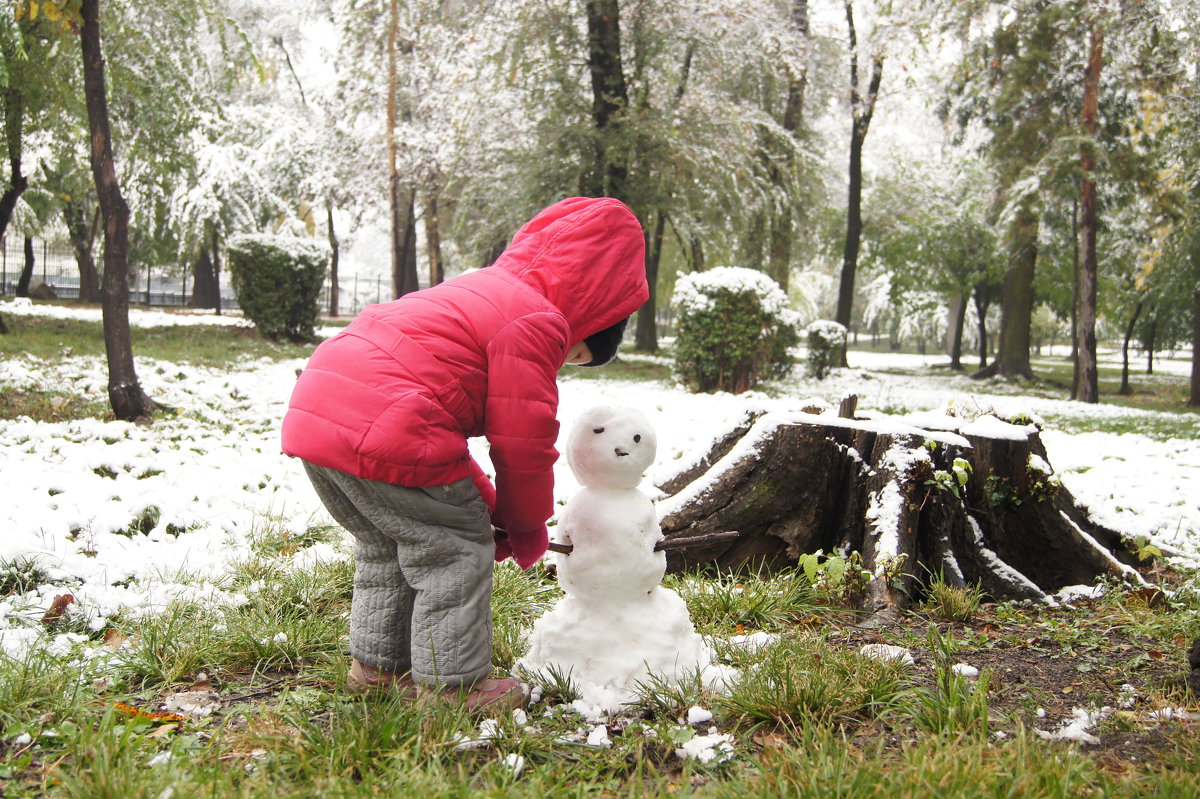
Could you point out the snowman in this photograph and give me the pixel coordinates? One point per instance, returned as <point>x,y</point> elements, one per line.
<point>616,625</point>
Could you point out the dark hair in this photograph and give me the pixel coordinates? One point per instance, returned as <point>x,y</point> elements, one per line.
<point>604,344</point>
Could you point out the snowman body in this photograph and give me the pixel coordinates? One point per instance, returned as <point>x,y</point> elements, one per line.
<point>616,625</point>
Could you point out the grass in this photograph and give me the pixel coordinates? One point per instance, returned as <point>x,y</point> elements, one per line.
<point>1156,407</point>
<point>807,716</point>
<point>48,338</point>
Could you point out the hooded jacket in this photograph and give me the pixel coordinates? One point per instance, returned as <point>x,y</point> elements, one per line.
<point>395,395</point>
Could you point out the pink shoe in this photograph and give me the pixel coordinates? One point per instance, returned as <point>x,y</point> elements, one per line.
<point>363,679</point>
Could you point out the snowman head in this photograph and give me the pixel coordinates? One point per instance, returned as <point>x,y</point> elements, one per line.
<point>611,447</point>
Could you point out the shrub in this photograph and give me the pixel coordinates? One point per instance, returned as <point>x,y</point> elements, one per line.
<point>825,342</point>
<point>278,282</point>
<point>734,329</point>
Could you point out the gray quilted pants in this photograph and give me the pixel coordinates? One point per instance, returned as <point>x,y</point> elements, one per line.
<point>422,575</point>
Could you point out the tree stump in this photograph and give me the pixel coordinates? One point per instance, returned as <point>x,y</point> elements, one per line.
<point>973,501</point>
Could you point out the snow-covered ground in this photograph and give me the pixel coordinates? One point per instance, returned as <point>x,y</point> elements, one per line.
<point>215,478</point>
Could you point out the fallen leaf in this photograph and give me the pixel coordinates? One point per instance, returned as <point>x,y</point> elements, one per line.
<point>57,608</point>
<point>1151,596</point>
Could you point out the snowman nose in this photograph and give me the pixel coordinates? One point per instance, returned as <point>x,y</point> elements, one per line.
<point>620,452</point>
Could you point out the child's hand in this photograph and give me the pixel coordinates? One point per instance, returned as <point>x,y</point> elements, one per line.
<point>526,550</point>
<point>503,550</point>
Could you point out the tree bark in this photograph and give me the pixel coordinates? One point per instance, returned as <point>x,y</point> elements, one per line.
<point>125,394</point>
<point>216,269</point>
<point>14,126</point>
<point>1089,382</point>
<point>979,296</point>
<point>814,482</point>
<point>82,240</point>
<point>1194,393</point>
<point>610,98</point>
<point>204,282</point>
<point>1016,307</point>
<point>646,335</point>
<point>27,268</point>
<point>1125,390</point>
<point>400,196</point>
<point>433,241</point>
<point>334,251</point>
<point>861,111</point>
<point>1151,341</point>
<point>959,310</point>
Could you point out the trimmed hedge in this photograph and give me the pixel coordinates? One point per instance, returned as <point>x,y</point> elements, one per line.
<point>826,340</point>
<point>735,329</point>
<point>278,282</point>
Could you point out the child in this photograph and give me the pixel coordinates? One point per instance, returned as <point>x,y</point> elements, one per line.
<point>381,417</point>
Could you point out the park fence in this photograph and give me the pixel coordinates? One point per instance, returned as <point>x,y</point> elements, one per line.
<point>55,266</point>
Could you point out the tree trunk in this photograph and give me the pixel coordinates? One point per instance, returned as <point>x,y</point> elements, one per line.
<point>433,241</point>
<point>1076,269</point>
<point>334,252</point>
<point>1194,393</point>
<point>1016,307</point>
<point>1125,390</point>
<point>404,239</point>
<point>216,269</point>
<point>204,282</point>
<point>646,335</point>
<point>959,310</point>
<point>26,269</point>
<point>400,196</point>
<point>861,111</point>
<point>14,125</point>
<point>610,98</point>
<point>82,240</point>
<point>1089,381</point>
<point>128,401</point>
<point>979,296</point>
<point>813,482</point>
<point>1151,341</point>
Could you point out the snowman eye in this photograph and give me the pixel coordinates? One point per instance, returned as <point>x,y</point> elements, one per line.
<point>597,430</point>
<point>637,438</point>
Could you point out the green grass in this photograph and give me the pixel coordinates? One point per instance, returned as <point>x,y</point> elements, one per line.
<point>201,345</point>
<point>807,716</point>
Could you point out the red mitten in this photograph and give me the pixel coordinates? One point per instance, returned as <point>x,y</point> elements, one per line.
<point>528,548</point>
<point>503,549</point>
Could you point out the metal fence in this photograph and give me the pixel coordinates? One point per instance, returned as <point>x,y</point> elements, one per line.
<point>56,267</point>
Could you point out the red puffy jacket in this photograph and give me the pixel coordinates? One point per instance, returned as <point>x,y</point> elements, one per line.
<point>395,395</point>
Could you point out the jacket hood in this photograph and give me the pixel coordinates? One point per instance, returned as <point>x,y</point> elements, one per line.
<point>586,255</point>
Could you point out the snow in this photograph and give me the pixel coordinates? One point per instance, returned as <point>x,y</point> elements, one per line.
<point>72,490</point>
<point>712,748</point>
<point>693,291</point>
<point>1076,728</point>
<point>887,652</point>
